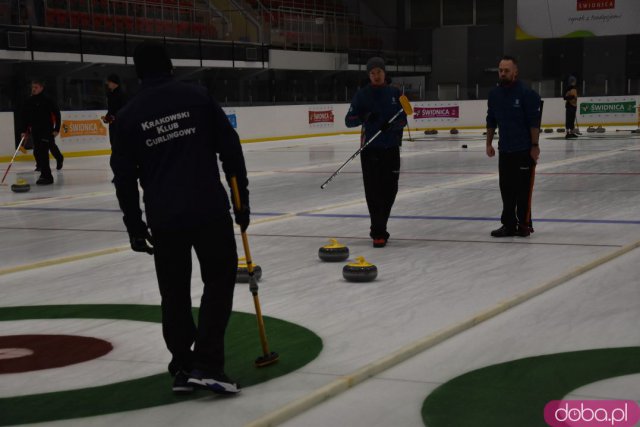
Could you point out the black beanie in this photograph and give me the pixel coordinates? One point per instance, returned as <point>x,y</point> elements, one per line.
<point>375,62</point>
<point>151,58</point>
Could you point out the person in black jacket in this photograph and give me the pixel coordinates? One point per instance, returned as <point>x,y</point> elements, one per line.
<point>168,137</point>
<point>516,110</point>
<point>571,107</point>
<point>116,99</point>
<point>372,107</point>
<point>41,118</point>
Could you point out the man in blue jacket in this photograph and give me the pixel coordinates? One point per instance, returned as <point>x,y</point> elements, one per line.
<point>168,137</point>
<point>516,110</point>
<point>372,107</point>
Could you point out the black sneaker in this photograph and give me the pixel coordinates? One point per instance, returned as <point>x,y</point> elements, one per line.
<point>503,231</point>
<point>523,232</point>
<point>570,136</point>
<point>219,383</point>
<point>44,180</point>
<point>59,162</point>
<point>181,383</point>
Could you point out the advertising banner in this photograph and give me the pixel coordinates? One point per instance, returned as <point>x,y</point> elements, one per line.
<point>84,126</point>
<point>436,111</point>
<point>321,116</point>
<point>540,19</point>
<point>604,107</point>
<point>233,118</point>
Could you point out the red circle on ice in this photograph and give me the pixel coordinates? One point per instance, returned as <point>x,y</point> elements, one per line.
<point>24,353</point>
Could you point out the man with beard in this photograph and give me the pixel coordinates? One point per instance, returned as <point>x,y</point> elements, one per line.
<point>515,109</point>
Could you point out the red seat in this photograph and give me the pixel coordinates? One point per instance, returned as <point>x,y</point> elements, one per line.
<point>123,24</point>
<point>50,18</point>
<point>62,19</point>
<point>168,28</point>
<point>184,29</point>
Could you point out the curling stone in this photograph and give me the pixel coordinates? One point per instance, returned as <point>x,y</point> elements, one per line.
<point>560,130</point>
<point>591,129</point>
<point>600,129</point>
<point>333,252</point>
<point>360,271</point>
<point>431,132</point>
<point>454,131</point>
<point>21,186</point>
<point>548,130</point>
<point>464,146</point>
<point>242,275</point>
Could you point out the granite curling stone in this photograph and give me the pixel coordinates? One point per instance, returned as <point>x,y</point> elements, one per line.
<point>333,252</point>
<point>21,186</point>
<point>360,271</point>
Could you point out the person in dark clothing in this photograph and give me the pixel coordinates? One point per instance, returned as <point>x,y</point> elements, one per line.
<point>515,109</point>
<point>372,107</point>
<point>116,99</point>
<point>571,107</point>
<point>41,119</point>
<point>169,137</point>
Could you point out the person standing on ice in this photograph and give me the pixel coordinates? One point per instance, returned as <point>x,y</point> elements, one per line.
<point>116,99</point>
<point>41,118</point>
<point>169,137</point>
<point>516,110</point>
<point>571,107</point>
<point>372,107</point>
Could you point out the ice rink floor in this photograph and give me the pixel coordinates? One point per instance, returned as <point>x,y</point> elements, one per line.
<point>448,299</point>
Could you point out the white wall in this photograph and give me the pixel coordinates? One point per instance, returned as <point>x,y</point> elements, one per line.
<point>273,122</point>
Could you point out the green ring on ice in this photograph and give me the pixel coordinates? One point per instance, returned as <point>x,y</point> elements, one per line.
<point>515,393</point>
<point>296,345</point>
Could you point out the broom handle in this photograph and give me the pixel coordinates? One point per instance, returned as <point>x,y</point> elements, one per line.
<point>12,159</point>
<point>253,285</point>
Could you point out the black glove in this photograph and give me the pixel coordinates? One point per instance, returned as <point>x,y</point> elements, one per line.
<point>384,126</point>
<point>242,217</point>
<point>141,243</point>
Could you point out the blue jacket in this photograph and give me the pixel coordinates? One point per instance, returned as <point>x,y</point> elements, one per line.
<point>169,136</point>
<point>371,107</point>
<point>515,109</point>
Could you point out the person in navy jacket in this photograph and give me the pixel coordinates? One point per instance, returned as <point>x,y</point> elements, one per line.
<point>168,138</point>
<point>372,107</point>
<point>515,109</point>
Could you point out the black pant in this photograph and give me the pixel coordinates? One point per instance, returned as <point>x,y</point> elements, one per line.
<point>570,117</point>
<point>112,131</point>
<point>380,172</point>
<point>515,186</point>
<point>215,247</point>
<point>42,144</point>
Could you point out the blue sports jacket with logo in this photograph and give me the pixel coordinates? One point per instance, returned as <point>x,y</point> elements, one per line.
<point>371,107</point>
<point>515,109</point>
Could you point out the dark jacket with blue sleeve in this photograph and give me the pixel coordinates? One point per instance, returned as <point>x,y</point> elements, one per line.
<point>373,106</point>
<point>169,137</point>
<point>515,109</point>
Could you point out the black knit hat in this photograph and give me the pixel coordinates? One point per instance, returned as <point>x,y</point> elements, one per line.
<point>375,62</point>
<point>114,78</point>
<point>151,58</point>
